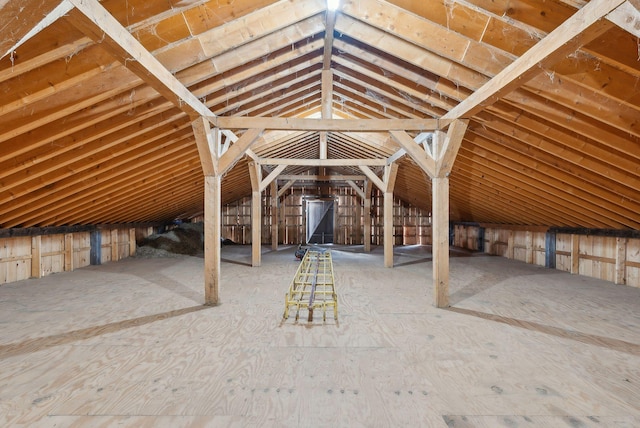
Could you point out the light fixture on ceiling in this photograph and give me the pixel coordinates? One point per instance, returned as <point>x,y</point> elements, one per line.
<point>333,4</point>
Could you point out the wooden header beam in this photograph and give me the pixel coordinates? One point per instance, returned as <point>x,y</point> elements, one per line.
<point>322,177</point>
<point>323,162</point>
<point>343,125</point>
<point>565,39</point>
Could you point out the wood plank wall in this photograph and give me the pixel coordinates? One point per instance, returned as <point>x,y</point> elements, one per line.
<point>24,257</point>
<point>610,258</point>
<point>411,225</point>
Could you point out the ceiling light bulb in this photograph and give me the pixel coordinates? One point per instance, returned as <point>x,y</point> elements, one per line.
<point>333,4</point>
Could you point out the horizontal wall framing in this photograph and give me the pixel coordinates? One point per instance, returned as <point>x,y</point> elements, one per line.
<point>609,255</point>
<point>410,224</point>
<point>34,253</point>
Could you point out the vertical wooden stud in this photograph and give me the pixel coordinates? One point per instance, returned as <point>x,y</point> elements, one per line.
<point>510,245</point>
<point>575,254</point>
<point>367,216</point>
<point>529,247</point>
<point>68,252</point>
<point>36,256</point>
<point>274,215</point>
<point>132,242</point>
<point>621,260</point>
<point>114,245</point>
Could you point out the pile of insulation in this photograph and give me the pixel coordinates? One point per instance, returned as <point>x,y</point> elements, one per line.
<point>184,238</point>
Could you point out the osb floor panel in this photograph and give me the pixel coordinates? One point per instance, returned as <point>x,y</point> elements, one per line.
<point>129,344</point>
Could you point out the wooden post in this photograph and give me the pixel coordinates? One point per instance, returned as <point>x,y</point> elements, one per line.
<point>440,192</point>
<point>621,260</point>
<point>68,252</point>
<point>256,214</point>
<point>388,229</point>
<point>529,244</point>
<point>357,221</point>
<point>132,242</point>
<point>36,257</point>
<point>114,245</point>
<point>212,235</point>
<point>510,246</point>
<point>575,254</point>
<point>390,174</point>
<point>367,215</point>
<point>274,215</point>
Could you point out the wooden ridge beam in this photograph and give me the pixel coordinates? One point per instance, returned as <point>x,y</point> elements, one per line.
<point>344,125</point>
<point>566,38</point>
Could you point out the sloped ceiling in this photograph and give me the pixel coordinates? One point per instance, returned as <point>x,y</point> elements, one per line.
<point>83,138</point>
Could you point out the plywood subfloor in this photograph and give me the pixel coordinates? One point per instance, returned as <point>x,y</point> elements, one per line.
<point>129,344</point>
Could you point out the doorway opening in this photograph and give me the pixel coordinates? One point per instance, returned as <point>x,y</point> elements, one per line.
<point>320,221</point>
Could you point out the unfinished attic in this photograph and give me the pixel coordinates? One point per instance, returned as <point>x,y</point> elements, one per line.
<point>472,165</point>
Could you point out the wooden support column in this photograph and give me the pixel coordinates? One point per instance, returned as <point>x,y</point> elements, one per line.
<point>208,143</point>
<point>440,247</point>
<point>36,256</point>
<point>366,216</point>
<point>388,229</point>
<point>274,215</point>
<point>256,214</point>
<point>621,261</point>
<point>445,153</point>
<point>357,223</point>
<point>68,252</point>
<point>390,174</point>
<point>212,235</point>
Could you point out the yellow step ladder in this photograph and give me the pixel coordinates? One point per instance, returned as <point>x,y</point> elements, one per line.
<point>313,286</point>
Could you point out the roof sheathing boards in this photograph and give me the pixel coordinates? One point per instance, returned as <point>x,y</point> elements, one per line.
<point>82,132</point>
